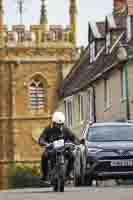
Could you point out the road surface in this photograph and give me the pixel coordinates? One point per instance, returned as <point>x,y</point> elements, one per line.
<point>84,193</point>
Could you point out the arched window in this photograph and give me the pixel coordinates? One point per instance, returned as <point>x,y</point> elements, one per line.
<point>38,93</point>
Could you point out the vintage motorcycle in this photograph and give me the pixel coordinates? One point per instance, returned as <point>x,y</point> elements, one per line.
<point>58,164</point>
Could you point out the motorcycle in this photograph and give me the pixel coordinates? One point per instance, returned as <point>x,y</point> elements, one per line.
<point>58,164</point>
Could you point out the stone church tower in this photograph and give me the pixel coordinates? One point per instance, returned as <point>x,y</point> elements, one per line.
<point>32,64</point>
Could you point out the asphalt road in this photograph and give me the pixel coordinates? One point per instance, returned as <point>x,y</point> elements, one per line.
<point>84,193</point>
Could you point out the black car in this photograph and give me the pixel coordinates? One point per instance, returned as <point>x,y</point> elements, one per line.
<point>107,152</point>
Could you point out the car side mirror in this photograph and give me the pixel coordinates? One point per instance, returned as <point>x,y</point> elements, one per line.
<point>82,141</point>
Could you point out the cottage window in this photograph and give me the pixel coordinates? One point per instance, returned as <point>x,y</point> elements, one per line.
<point>92,51</point>
<point>37,94</point>
<point>81,107</point>
<point>68,112</point>
<point>107,93</point>
<point>123,83</point>
<point>108,42</point>
<point>90,105</point>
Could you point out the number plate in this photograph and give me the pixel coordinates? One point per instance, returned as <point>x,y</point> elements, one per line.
<point>122,163</point>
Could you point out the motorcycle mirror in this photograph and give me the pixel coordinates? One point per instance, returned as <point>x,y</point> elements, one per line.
<point>82,141</point>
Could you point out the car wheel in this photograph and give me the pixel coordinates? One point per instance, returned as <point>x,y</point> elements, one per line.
<point>87,181</point>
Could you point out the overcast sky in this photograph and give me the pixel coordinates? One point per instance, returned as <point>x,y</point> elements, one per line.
<point>58,13</point>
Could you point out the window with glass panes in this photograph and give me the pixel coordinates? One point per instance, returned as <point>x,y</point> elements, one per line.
<point>68,112</point>
<point>108,42</point>
<point>92,51</point>
<point>107,93</point>
<point>81,106</point>
<point>38,94</point>
<point>123,83</point>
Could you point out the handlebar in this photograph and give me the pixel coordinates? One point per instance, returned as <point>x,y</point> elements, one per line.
<point>68,145</point>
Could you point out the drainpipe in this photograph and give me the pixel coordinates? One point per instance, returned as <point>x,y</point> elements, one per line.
<point>94,104</point>
<point>127,91</point>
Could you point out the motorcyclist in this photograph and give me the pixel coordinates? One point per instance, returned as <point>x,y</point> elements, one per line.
<point>52,133</point>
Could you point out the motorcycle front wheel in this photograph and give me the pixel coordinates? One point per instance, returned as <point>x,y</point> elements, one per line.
<point>61,184</point>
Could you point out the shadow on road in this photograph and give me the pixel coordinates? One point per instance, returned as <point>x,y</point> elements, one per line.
<point>45,191</point>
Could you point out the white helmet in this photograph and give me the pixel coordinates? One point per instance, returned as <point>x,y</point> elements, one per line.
<point>58,117</point>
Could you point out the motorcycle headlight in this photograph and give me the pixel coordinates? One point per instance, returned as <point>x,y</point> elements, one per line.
<point>94,150</point>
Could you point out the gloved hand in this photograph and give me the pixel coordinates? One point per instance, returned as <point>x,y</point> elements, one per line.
<point>49,145</point>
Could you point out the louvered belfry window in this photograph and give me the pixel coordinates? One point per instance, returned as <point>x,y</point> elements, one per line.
<point>38,94</point>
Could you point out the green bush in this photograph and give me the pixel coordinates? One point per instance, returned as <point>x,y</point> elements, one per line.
<point>24,176</point>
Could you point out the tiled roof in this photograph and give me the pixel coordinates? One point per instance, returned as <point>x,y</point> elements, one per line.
<point>82,59</point>
<point>85,72</point>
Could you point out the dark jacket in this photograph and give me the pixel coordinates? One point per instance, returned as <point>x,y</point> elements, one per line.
<point>50,134</point>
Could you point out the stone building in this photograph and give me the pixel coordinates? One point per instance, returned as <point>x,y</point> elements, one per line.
<point>99,87</point>
<point>32,65</point>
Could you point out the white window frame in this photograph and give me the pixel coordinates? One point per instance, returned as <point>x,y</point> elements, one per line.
<point>69,119</point>
<point>123,84</point>
<point>90,106</point>
<point>129,31</point>
<point>92,51</point>
<point>81,104</point>
<point>107,93</point>
<point>108,42</point>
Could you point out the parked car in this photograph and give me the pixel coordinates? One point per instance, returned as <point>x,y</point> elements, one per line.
<point>107,152</point>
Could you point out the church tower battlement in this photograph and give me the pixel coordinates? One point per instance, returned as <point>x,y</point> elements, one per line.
<point>41,34</point>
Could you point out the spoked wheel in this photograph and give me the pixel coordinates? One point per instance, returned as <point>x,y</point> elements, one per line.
<point>61,185</point>
<point>61,181</point>
<point>58,186</point>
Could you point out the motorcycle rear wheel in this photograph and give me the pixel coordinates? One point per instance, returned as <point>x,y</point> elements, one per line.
<point>61,185</point>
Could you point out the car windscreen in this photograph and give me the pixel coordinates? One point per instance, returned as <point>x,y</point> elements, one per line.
<point>110,133</point>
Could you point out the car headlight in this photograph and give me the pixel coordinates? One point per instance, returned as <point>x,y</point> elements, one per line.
<point>130,152</point>
<point>94,150</point>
